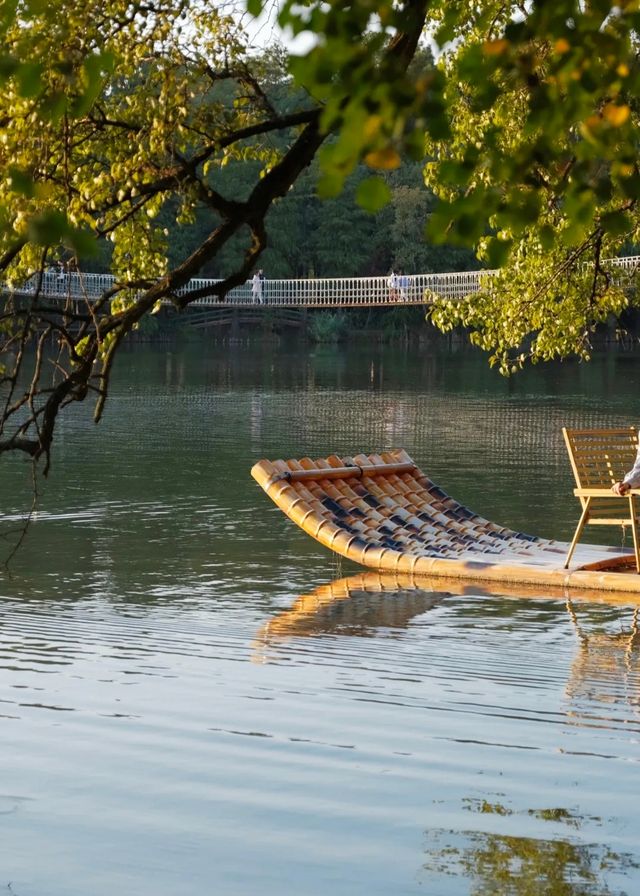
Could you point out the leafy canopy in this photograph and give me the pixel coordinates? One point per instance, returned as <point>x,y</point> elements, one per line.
<point>117,118</point>
<point>530,126</point>
<point>119,115</point>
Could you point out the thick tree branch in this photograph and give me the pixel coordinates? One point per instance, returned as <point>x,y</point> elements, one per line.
<point>92,352</point>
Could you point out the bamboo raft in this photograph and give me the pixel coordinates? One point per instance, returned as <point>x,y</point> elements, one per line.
<point>382,512</point>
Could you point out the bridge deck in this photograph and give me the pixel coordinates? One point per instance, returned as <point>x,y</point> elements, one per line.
<point>349,292</point>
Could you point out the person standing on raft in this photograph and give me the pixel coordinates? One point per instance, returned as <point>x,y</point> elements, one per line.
<point>631,479</point>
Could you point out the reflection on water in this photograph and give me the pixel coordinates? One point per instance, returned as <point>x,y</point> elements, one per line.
<point>356,605</point>
<point>363,603</point>
<point>605,670</point>
<point>175,718</point>
<point>504,864</point>
<point>606,666</point>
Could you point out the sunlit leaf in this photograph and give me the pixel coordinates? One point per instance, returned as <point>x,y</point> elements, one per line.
<point>385,159</point>
<point>616,115</point>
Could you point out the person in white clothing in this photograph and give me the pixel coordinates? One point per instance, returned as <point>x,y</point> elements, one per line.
<point>403,284</point>
<point>392,283</point>
<point>631,479</point>
<point>256,286</point>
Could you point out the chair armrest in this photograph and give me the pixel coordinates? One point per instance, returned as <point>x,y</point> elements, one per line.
<point>602,493</point>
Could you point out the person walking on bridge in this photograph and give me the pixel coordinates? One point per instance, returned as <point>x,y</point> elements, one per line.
<point>403,285</point>
<point>256,287</point>
<point>392,283</point>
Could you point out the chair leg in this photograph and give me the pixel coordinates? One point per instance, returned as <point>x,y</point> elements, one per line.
<point>582,523</point>
<point>634,529</point>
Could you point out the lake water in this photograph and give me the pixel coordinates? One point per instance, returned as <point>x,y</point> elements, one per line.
<point>188,705</point>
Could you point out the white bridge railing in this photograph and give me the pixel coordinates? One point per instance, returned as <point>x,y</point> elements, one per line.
<point>414,289</point>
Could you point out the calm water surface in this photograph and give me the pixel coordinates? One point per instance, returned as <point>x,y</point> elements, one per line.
<point>193,700</point>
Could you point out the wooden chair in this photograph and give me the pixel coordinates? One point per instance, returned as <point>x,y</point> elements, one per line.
<point>600,457</point>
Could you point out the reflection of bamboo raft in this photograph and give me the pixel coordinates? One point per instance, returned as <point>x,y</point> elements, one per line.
<point>382,512</point>
<point>355,605</point>
<point>367,603</point>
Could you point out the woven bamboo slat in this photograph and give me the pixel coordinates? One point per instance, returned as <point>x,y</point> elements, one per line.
<point>382,512</point>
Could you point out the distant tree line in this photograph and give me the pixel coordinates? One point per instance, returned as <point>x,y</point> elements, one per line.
<point>312,237</point>
<point>309,236</point>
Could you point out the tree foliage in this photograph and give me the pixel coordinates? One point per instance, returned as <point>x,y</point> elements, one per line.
<point>335,237</point>
<point>125,120</point>
<point>117,118</point>
<point>531,122</point>
<point>540,169</point>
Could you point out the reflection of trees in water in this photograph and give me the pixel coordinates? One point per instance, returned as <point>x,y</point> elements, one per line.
<point>606,668</point>
<point>507,865</point>
<point>504,865</point>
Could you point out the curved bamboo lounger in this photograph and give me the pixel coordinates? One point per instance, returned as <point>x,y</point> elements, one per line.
<point>382,512</point>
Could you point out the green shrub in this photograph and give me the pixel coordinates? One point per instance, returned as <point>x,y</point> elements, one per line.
<point>327,326</point>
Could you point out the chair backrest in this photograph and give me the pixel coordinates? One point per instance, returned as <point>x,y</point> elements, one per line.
<point>600,457</point>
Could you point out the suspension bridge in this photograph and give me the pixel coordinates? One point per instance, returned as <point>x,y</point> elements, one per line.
<point>345,292</point>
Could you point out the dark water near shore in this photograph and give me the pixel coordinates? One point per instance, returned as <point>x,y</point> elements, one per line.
<point>176,719</point>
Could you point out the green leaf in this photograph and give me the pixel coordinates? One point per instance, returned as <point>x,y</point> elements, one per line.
<point>21,181</point>
<point>547,236</point>
<point>414,144</point>
<point>8,65</point>
<point>373,194</point>
<point>48,228</point>
<point>616,223</point>
<point>29,78</point>
<point>37,7</point>
<point>96,67</point>
<point>438,225</point>
<point>330,183</point>
<point>630,186</point>
<point>454,172</point>
<point>83,242</point>
<point>575,232</point>
<point>498,252</point>
<point>468,227</point>
<point>520,211</point>
<point>54,107</point>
